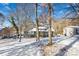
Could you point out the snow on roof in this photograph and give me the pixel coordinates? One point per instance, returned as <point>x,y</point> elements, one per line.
<point>72,27</point>
<point>43,29</point>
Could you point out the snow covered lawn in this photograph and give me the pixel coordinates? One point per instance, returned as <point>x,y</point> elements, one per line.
<point>29,47</point>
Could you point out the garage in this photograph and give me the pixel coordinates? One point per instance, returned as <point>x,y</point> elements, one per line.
<point>71,31</point>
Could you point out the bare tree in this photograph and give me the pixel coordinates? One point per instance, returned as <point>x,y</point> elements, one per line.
<point>24,13</point>
<point>12,21</point>
<point>37,26</point>
<point>50,9</point>
<point>49,20</point>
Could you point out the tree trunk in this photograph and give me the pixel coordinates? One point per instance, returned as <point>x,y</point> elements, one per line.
<point>37,25</point>
<point>49,20</point>
<point>17,31</point>
<point>37,29</point>
<point>20,30</point>
<point>20,37</point>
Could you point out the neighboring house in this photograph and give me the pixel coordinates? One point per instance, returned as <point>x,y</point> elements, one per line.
<point>43,31</point>
<point>7,31</point>
<point>71,31</point>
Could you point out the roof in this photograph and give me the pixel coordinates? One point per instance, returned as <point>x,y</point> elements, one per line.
<point>72,27</point>
<point>42,29</point>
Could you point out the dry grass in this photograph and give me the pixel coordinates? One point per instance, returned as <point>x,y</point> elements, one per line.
<point>49,50</point>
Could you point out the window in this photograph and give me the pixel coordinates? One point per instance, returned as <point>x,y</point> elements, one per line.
<point>77,31</point>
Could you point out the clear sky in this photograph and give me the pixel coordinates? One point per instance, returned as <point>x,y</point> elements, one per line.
<point>59,10</point>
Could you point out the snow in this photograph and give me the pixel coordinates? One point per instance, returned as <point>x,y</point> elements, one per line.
<point>67,41</point>
<point>72,27</point>
<point>29,46</point>
<point>41,28</point>
<point>16,43</point>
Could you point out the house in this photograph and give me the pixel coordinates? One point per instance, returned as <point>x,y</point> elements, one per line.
<point>7,32</point>
<point>43,31</point>
<point>71,31</point>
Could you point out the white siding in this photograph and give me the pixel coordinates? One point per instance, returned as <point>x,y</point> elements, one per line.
<point>71,31</point>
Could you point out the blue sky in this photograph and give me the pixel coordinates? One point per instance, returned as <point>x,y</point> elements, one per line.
<point>59,10</point>
<point>5,10</point>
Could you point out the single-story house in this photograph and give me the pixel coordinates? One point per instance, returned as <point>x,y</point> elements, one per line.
<point>71,31</point>
<point>43,31</point>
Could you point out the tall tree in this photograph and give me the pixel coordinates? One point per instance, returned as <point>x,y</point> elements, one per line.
<point>12,21</point>
<point>37,26</point>
<point>24,13</point>
<point>49,20</point>
<point>49,6</point>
